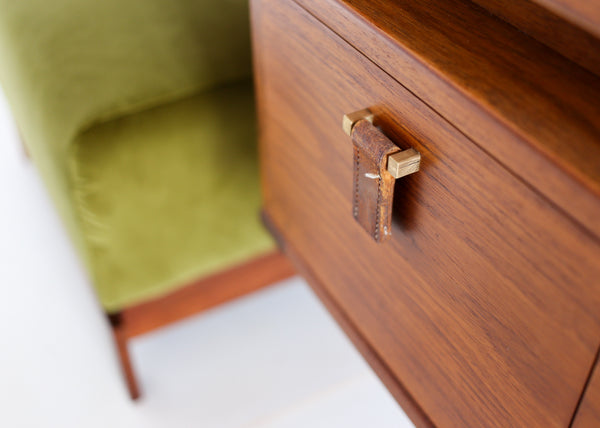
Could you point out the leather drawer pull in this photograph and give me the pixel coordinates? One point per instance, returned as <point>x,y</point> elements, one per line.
<point>377,164</point>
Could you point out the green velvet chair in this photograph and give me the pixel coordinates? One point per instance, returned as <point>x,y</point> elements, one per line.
<point>139,115</point>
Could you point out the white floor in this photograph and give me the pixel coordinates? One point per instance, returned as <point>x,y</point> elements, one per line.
<point>272,360</point>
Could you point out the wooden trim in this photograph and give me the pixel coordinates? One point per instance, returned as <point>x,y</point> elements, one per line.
<point>116,322</point>
<point>402,396</point>
<point>550,28</point>
<point>587,412</point>
<point>202,294</point>
<point>206,293</point>
<point>583,13</point>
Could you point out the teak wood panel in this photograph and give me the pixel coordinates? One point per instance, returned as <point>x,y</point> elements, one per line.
<point>526,105</point>
<point>549,28</point>
<point>584,13</point>
<point>484,303</point>
<point>588,414</point>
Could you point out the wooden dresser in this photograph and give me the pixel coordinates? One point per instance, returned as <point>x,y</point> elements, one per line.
<point>472,286</point>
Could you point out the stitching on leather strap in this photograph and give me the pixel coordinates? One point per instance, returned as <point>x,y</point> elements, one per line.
<point>378,209</point>
<point>356,178</point>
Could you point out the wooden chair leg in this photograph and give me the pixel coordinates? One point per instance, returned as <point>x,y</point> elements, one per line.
<point>200,295</point>
<point>120,336</point>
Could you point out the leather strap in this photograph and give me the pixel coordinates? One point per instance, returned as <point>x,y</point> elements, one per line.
<point>373,184</point>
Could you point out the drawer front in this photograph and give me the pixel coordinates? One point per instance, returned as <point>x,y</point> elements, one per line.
<point>483,303</point>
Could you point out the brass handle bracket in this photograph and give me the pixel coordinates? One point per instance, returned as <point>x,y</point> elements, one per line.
<point>378,162</point>
<point>350,119</point>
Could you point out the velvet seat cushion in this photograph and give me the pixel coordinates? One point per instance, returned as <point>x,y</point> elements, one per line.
<point>169,194</point>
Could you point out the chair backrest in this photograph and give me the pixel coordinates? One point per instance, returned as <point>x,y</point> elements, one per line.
<point>66,64</point>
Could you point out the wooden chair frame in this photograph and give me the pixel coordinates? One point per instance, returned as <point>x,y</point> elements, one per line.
<point>192,299</point>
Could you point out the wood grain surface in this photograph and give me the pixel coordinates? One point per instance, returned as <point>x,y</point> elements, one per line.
<point>584,13</point>
<point>588,414</point>
<point>549,28</point>
<point>484,304</point>
<point>527,106</point>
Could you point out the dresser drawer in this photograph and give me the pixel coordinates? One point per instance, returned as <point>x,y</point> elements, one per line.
<point>483,304</point>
